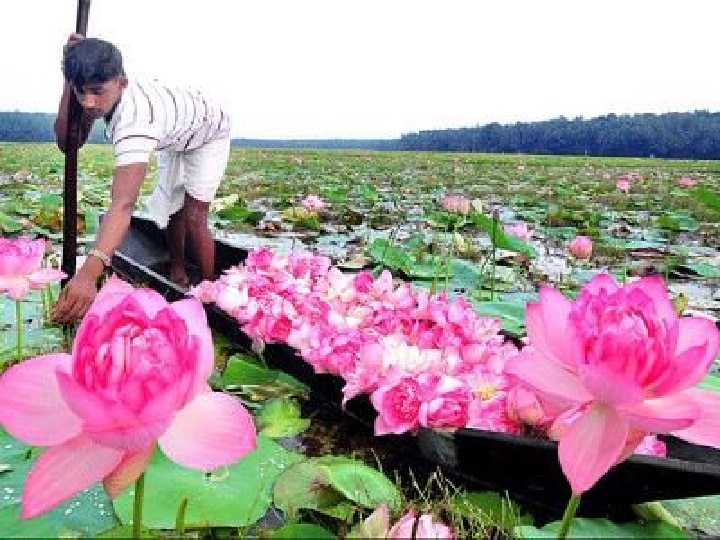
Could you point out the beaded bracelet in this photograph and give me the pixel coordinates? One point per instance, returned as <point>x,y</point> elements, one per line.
<point>104,257</point>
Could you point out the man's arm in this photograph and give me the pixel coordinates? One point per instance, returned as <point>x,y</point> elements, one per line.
<point>78,294</point>
<point>127,181</point>
<point>61,122</point>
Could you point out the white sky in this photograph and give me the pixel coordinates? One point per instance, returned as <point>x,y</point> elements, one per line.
<point>380,68</point>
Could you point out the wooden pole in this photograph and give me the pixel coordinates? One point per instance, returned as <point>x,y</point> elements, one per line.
<point>71,161</point>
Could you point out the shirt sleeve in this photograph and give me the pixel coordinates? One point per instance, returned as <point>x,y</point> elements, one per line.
<point>134,145</point>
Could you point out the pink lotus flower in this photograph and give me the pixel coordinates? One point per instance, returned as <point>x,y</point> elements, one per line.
<point>458,204</point>
<point>581,247</point>
<point>137,375</point>
<point>426,527</point>
<point>686,181</point>
<point>410,525</point>
<point>623,184</point>
<point>519,230</point>
<point>313,203</point>
<point>406,402</point>
<point>524,407</point>
<point>20,267</point>
<point>620,364</point>
<point>651,446</point>
<point>376,525</point>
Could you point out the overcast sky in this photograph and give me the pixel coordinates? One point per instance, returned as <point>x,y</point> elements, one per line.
<point>380,68</point>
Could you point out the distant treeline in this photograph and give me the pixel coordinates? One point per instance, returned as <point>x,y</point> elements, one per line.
<point>693,135</point>
<point>36,127</point>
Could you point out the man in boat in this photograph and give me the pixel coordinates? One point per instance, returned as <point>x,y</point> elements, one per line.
<point>191,136</point>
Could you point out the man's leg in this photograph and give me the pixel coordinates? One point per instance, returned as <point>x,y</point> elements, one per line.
<point>205,167</point>
<point>199,235</point>
<point>176,231</point>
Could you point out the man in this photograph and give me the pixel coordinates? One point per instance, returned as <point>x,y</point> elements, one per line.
<point>189,131</point>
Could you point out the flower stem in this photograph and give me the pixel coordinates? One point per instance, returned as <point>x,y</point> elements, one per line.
<point>45,300</point>
<point>138,506</point>
<point>496,218</point>
<point>19,324</point>
<point>568,516</point>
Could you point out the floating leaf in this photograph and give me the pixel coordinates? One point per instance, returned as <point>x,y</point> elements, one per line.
<point>704,270</point>
<point>242,370</point>
<point>302,530</point>
<point>335,486</point>
<point>305,486</point>
<point>698,513</point>
<point>9,224</point>
<point>511,313</point>
<point>237,496</point>
<point>604,528</point>
<point>240,214</point>
<point>280,418</point>
<point>707,197</point>
<point>678,221</point>
<point>361,483</point>
<point>384,252</point>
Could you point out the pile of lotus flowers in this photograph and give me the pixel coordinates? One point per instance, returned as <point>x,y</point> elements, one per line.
<point>603,374</point>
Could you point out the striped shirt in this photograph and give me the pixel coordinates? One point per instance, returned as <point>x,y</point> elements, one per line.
<point>152,116</point>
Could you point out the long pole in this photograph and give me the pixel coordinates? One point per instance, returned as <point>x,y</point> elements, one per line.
<point>71,161</point>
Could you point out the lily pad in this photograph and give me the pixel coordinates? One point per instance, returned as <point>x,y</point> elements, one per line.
<point>699,513</point>
<point>9,224</point>
<point>235,496</point>
<point>303,530</point>
<point>603,528</point>
<point>335,486</point>
<point>281,418</point>
<point>511,313</point>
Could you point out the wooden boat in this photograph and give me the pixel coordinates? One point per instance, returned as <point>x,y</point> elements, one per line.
<point>527,468</point>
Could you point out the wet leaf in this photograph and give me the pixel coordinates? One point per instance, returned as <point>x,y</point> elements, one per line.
<point>707,197</point>
<point>333,485</point>
<point>678,221</point>
<point>242,370</point>
<point>604,528</point>
<point>237,496</point>
<point>698,513</point>
<point>280,418</point>
<point>705,270</point>
<point>302,530</point>
<point>9,224</point>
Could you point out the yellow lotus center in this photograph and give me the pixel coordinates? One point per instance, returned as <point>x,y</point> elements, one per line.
<point>486,390</point>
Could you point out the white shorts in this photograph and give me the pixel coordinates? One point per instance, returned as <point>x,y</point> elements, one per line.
<point>196,172</point>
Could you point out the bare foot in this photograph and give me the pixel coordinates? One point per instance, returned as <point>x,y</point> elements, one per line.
<point>179,277</point>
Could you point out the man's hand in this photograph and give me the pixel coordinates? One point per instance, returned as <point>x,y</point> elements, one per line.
<point>74,300</point>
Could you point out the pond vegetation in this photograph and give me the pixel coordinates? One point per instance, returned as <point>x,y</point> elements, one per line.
<point>490,228</point>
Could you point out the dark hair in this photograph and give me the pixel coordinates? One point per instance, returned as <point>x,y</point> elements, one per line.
<point>92,60</point>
